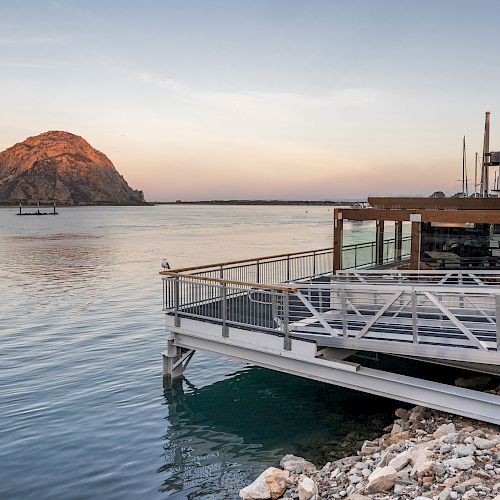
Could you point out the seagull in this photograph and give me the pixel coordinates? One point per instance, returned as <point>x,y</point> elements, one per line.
<point>165,264</point>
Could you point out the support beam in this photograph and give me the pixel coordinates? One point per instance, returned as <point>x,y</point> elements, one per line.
<point>444,397</point>
<point>379,242</point>
<point>175,361</point>
<point>398,239</point>
<point>338,229</point>
<point>416,230</point>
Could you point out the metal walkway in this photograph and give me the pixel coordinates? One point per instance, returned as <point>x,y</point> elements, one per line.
<point>310,325</point>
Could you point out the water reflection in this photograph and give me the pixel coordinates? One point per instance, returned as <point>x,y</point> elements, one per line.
<point>224,434</point>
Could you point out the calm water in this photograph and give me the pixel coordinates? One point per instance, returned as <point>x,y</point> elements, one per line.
<point>83,411</point>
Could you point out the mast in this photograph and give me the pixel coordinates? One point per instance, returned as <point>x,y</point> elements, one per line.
<point>475,176</point>
<point>465,186</point>
<point>486,156</point>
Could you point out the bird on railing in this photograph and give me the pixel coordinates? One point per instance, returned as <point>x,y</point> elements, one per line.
<point>165,264</point>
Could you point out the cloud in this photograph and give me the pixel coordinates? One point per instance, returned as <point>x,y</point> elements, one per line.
<point>34,40</point>
<point>258,102</point>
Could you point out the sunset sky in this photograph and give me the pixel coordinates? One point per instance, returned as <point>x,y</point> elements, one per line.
<point>258,99</point>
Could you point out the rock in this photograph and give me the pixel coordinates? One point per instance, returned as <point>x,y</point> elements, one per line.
<point>270,484</point>
<point>355,479</point>
<point>298,464</point>
<point>357,496</point>
<point>464,463</point>
<point>400,460</point>
<point>475,383</point>
<point>445,494</point>
<point>381,479</point>
<point>444,430</point>
<point>401,413</point>
<point>464,450</point>
<point>307,488</point>
<point>485,444</point>
<point>61,167</point>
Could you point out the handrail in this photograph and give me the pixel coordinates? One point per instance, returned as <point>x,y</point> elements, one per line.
<point>244,261</point>
<point>276,256</point>
<point>262,286</point>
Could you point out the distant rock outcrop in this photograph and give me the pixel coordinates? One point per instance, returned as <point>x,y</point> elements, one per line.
<point>61,167</point>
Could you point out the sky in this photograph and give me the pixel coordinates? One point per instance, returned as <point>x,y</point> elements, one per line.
<point>275,99</point>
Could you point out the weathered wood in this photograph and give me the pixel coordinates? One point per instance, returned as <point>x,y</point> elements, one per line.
<point>338,229</point>
<point>415,245</point>
<point>415,203</point>
<point>452,216</point>
<point>248,284</point>
<point>398,240</point>
<point>379,242</point>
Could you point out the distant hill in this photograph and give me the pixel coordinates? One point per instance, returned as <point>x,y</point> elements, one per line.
<point>62,167</point>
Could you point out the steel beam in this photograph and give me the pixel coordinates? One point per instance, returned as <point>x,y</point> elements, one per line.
<point>465,402</point>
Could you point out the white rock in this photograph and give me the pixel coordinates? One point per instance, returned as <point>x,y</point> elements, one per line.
<point>307,488</point>
<point>335,473</point>
<point>400,460</point>
<point>270,484</point>
<point>381,479</point>
<point>464,463</point>
<point>464,450</point>
<point>444,430</point>
<point>445,494</point>
<point>485,444</point>
<point>293,463</point>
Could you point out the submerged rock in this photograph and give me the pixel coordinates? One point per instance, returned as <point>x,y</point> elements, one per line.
<point>297,464</point>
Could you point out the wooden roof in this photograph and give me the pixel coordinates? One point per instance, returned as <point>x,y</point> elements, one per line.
<point>458,216</point>
<point>386,202</point>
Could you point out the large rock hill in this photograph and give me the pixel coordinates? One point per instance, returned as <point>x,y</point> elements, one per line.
<point>61,167</point>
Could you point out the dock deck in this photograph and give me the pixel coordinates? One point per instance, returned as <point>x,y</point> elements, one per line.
<point>292,313</point>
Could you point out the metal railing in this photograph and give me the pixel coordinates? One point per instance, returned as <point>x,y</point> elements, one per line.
<point>295,266</point>
<point>362,255</point>
<point>270,269</point>
<point>427,318</point>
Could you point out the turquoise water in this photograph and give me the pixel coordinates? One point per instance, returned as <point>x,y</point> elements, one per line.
<point>83,411</point>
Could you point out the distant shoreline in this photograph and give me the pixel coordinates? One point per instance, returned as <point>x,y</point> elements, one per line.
<point>323,203</point>
<point>263,202</point>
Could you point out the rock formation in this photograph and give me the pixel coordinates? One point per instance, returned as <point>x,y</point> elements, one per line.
<point>61,167</point>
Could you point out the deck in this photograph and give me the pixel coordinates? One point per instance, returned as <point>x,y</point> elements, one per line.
<point>291,313</point>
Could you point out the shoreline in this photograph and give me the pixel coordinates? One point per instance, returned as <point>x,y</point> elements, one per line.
<point>207,202</point>
<point>424,454</point>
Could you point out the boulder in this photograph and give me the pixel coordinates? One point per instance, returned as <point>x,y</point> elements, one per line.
<point>445,494</point>
<point>298,464</point>
<point>464,463</point>
<point>444,430</point>
<point>485,444</point>
<point>381,479</point>
<point>307,488</point>
<point>270,484</point>
<point>400,460</point>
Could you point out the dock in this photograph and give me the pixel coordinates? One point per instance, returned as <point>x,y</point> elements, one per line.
<point>308,313</point>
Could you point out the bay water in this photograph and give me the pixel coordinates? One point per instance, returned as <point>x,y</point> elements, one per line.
<point>83,412</point>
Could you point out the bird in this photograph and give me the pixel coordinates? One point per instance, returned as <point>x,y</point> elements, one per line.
<point>165,264</point>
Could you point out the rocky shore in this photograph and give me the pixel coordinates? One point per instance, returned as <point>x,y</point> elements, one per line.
<point>425,454</point>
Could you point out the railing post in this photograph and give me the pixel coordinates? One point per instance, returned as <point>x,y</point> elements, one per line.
<point>288,268</point>
<point>355,257</point>
<point>497,319</point>
<point>177,319</point>
<point>258,271</point>
<point>314,264</point>
<point>287,344</point>
<point>221,272</point>
<point>225,329</point>
<point>344,311</point>
<point>414,317</point>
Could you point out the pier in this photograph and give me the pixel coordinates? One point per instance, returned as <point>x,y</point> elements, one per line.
<point>38,212</point>
<point>309,313</point>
